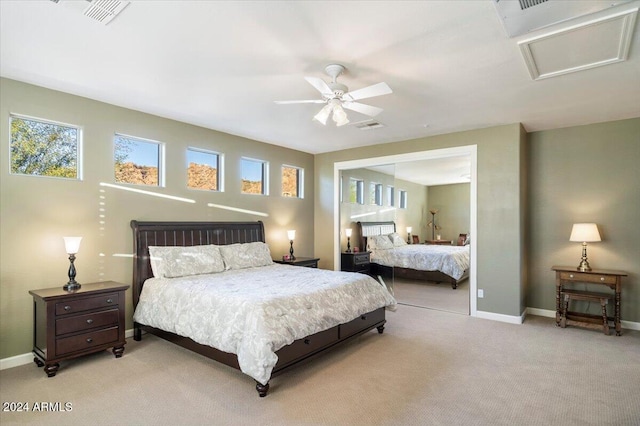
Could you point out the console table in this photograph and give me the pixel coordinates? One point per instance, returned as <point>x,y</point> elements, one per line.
<point>566,275</point>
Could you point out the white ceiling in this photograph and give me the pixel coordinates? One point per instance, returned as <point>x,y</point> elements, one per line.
<point>221,64</point>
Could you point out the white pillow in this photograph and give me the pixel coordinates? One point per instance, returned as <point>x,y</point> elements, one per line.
<point>397,240</point>
<point>381,242</point>
<point>247,255</point>
<point>179,261</point>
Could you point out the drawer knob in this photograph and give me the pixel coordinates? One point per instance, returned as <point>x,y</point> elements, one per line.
<point>89,340</point>
<point>67,308</point>
<point>601,278</point>
<point>89,321</point>
<point>363,317</point>
<point>109,300</point>
<point>307,341</point>
<point>570,275</point>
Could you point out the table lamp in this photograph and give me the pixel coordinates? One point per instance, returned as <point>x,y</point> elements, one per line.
<point>292,236</point>
<point>584,233</point>
<point>408,235</point>
<point>72,245</point>
<point>348,233</point>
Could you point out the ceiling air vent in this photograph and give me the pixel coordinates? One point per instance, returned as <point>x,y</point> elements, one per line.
<point>525,4</point>
<point>105,11</point>
<point>367,124</point>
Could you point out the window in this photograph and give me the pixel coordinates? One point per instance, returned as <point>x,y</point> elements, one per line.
<point>204,170</point>
<point>292,181</point>
<point>375,193</point>
<point>41,148</point>
<point>137,161</point>
<point>391,196</point>
<point>254,176</point>
<point>403,199</point>
<point>356,191</point>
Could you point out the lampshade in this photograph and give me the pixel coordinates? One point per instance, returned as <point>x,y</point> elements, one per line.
<point>72,244</point>
<point>291,234</point>
<point>339,116</point>
<point>408,229</point>
<point>323,115</point>
<point>348,232</point>
<point>585,233</point>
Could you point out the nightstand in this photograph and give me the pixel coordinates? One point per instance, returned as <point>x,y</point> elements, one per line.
<point>309,262</point>
<point>356,262</point>
<point>69,325</point>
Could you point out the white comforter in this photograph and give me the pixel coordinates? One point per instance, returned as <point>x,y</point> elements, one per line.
<point>452,260</point>
<point>256,311</point>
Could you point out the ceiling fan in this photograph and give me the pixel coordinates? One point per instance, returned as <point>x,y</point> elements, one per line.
<point>337,97</point>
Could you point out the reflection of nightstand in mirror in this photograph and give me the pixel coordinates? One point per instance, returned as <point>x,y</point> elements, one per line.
<point>309,262</point>
<point>355,262</point>
<point>439,242</point>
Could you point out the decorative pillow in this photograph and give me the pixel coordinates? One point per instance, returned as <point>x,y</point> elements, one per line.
<point>397,240</point>
<point>179,261</point>
<point>382,242</point>
<point>247,255</point>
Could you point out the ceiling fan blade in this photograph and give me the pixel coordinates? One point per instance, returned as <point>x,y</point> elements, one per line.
<point>369,110</point>
<point>310,101</point>
<point>320,86</point>
<point>368,92</point>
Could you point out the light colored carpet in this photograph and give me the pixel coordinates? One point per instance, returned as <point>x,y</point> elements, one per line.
<point>431,295</point>
<point>428,368</point>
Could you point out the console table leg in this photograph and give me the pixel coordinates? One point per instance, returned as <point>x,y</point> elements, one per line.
<point>617,314</point>
<point>605,323</point>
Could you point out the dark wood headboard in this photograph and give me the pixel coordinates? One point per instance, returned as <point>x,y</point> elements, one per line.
<point>368,229</point>
<point>147,234</point>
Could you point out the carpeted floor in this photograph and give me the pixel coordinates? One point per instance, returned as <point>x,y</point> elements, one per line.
<point>428,368</point>
<point>431,295</point>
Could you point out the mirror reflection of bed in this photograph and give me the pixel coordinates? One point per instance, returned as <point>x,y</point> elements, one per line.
<point>450,196</point>
<point>433,276</point>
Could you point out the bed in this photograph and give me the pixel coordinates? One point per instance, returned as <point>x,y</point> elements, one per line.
<point>426,262</point>
<point>245,317</point>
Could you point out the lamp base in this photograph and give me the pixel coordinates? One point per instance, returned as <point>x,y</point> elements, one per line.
<point>71,286</point>
<point>584,267</point>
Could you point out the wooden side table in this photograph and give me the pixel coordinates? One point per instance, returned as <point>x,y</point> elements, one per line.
<point>355,262</point>
<point>439,242</point>
<point>309,262</point>
<point>68,325</point>
<point>566,275</point>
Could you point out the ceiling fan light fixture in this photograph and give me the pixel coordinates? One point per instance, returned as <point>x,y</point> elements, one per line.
<point>339,116</point>
<point>324,113</point>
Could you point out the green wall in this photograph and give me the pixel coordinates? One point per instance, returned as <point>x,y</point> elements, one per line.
<point>584,174</point>
<point>37,211</point>
<point>452,203</point>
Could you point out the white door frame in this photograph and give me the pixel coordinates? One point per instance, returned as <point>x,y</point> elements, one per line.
<point>471,150</point>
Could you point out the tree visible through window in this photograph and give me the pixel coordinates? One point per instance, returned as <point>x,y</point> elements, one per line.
<point>44,149</point>
<point>136,161</point>
<point>292,181</point>
<point>203,169</point>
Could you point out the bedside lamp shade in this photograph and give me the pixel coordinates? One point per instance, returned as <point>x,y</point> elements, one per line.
<point>292,236</point>
<point>72,244</point>
<point>584,233</point>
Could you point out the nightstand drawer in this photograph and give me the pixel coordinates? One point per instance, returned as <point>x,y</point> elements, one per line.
<point>87,321</point>
<point>103,301</point>
<point>361,258</point>
<point>588,278</point>
<point>85,341</point>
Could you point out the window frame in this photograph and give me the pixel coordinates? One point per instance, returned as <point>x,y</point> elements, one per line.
<point>359,191</point>
<point>404,199</point>
<point>219,168</point>
<point>391,198</point>
<point>265,175</point>
<point>375,189</point>
<point>79,146</point>
<point>161,159</point>
<point>299,181</point>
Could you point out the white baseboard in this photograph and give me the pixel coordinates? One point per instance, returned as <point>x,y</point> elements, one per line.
<point>511,319</point>
<point>18,360</point>
<point>629,325</point>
